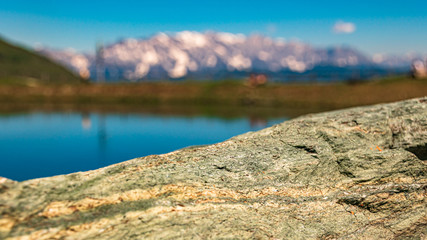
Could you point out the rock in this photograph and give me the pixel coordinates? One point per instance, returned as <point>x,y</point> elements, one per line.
<point>358,173</point>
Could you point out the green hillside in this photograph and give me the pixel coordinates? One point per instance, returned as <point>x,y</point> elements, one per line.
<point>23,67</point>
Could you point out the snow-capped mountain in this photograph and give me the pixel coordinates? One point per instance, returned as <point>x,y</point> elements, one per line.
<point>206,55</point>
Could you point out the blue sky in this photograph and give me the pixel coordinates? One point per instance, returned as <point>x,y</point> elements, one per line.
<point>393,27</point>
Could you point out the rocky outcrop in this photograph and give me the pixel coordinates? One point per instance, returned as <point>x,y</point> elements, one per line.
<point>358,173</point>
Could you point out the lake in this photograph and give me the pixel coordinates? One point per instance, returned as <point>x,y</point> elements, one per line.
<point>41,144</point>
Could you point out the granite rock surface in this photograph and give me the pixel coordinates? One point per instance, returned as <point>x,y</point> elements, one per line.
<point>357,173</point>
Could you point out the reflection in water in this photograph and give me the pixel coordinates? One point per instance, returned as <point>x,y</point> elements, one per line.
<point>257,122</point>
<point>101,130</point>
<point>102,137</point>
<point>45,144</point>
<point>86,122</point>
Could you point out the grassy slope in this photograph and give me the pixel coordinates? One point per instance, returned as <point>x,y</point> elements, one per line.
<point>23,67</point>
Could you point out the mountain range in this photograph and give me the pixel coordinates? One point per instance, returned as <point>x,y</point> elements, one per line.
<point>214,55</point>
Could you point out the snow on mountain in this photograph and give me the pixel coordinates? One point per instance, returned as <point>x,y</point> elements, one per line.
<point>400,61</point>
<point>194,54</point>
<point>76,62</point>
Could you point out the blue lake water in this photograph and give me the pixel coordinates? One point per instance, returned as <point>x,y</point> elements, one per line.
<point>41,144</point>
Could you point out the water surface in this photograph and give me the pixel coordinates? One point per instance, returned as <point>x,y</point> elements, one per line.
<point>41,144</point>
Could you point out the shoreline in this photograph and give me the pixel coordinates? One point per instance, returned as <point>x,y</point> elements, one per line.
<point>209,95</point>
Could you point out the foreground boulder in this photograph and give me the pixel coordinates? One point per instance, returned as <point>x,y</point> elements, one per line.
<point>353,174</point>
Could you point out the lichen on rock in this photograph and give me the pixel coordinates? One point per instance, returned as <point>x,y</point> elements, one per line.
<point>357,173</point>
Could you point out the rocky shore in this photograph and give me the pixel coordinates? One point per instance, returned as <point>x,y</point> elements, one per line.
<point>357,173</point>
